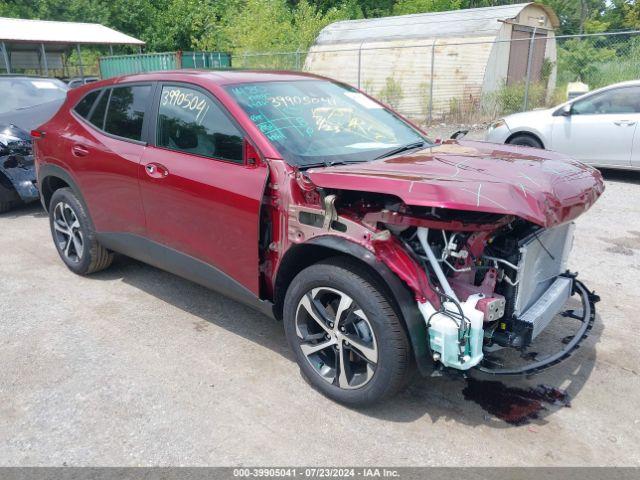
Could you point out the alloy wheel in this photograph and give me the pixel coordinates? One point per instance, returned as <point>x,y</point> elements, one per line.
<point>68,235</point>
<point>336,338</point>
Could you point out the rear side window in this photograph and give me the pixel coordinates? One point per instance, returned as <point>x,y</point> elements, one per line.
<point>190,121</point>
<point>126,111</point>
<point>97,116</point>
<point>84,106</point>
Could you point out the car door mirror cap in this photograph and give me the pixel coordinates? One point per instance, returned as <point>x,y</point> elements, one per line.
<point>564,111</point>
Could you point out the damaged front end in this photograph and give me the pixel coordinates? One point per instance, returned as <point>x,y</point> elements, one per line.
<point>483,281</point>
<point>17,170</point>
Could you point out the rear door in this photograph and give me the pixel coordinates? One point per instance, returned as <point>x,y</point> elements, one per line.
<point>200,196</point>
<point>105,152</point>
<point>600,129</point>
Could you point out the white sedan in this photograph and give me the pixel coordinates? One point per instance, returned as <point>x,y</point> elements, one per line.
<point>600,128</point>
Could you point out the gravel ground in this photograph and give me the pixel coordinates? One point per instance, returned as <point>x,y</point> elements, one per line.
<point>134,366</point>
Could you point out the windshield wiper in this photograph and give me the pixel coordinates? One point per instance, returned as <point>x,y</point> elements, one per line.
<point>404,148</point>
<point>331,163</point>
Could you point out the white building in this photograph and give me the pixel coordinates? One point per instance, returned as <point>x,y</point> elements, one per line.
<point>454,57</point>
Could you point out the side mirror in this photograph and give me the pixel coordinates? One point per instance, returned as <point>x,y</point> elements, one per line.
<point>459,135</point>
<point>565,111</point>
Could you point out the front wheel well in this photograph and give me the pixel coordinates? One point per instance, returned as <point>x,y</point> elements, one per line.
<point>302,256</point>
<point>525,134</point>
<point>48,186</point>
<point>400,297</point>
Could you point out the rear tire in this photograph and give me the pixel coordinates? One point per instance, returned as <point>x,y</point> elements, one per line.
<point>74,236</point>
<point>525,141</point>
<point>347,338</point>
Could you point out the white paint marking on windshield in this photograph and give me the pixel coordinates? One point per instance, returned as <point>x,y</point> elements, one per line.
<point>363,100</point>
<point>369,145</point>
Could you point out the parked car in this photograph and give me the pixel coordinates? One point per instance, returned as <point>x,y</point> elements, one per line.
<point>25,103</point>
<point>79,81</point>
<point>315,204</point>
<point>599,128</point>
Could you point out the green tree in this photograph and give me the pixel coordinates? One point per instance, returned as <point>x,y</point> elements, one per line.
<point>272,25</point>
<point>579,59</point>
<point>403,7</point>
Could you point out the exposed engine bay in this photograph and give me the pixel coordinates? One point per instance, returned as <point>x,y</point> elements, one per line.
<point>492,281</point>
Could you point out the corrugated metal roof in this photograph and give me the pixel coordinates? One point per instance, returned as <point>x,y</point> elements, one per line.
<point>456,23</point>
<point>20,30</point>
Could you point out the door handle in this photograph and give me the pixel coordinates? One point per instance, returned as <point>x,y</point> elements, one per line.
<point>79,151</point>
<point>624,123</point>
<point>155,170</point>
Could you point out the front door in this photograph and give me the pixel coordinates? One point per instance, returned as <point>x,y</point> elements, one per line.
<point>600,128</point>
<point>200,197</point>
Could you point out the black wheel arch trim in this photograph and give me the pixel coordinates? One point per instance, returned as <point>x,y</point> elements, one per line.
<point>50,170</point>
<point>402,297</point>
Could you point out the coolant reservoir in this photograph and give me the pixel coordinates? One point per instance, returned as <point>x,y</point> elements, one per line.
<point>444,334</point>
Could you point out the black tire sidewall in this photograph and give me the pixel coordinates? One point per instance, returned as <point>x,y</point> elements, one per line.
<point>525,141</point>
<point>388,368</point>
<point>67,196</point>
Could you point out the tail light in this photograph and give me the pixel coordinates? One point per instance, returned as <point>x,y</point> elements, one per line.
<point>37,134</point>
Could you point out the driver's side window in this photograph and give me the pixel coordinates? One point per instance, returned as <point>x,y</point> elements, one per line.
<point>616,101</point>
<point>190,121</point>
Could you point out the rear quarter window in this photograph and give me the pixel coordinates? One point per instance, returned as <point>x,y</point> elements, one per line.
<point>84,106</point>
<point>126,110</point>
<point>97,116</point>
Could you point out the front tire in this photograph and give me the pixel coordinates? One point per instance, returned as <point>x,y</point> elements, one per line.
<point>525,141</point>
<point>348,340</point>
<point>74,235</point>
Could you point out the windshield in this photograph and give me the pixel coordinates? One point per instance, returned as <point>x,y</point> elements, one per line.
<point>317,122</point>
<point>22,93</point>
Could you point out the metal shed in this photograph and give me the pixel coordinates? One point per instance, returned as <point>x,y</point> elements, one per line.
<point>40,44</point>
<point>435,61</point>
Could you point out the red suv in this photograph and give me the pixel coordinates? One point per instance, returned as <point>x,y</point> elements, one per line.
<point>315,204</point>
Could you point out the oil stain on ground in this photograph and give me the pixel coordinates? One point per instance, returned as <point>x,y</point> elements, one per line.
<point>516,406</point>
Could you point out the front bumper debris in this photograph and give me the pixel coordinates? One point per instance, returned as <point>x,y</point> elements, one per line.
<point>586,315</point>
<point>20,172</point>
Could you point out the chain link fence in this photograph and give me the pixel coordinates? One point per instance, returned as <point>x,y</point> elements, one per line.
<point>470,82</point>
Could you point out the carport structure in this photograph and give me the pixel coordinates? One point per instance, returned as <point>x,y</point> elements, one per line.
<point>41,44</point>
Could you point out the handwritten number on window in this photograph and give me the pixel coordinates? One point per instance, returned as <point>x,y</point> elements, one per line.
<point>188,101</point>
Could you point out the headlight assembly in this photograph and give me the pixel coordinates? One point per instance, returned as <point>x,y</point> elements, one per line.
<point>497,124</point>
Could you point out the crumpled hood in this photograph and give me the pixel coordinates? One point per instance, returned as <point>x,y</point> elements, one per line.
<point>543,187</point>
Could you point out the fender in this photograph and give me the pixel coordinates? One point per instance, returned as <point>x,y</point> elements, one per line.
<point>50,170</point>
<point>403,297</point>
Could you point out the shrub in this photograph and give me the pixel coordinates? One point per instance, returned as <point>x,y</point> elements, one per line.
<point>391,93</point>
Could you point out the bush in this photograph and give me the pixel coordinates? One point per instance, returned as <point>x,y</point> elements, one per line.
<point>510,98</point>
<point>391,93</point>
